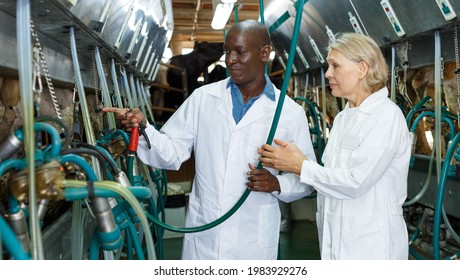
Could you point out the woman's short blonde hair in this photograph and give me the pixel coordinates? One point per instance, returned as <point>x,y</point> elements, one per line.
<point>357,47</point>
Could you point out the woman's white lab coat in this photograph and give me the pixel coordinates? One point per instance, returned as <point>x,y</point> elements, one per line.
<point>363,184</point>
<point>222,152</point>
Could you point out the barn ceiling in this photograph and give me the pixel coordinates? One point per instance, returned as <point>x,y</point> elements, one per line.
<point>192,20</point>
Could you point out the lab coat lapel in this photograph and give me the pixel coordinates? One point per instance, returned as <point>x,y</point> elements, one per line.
<point>225,107</point>
<point>257,111</point>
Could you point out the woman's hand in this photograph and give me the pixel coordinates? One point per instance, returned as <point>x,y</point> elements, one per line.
<point>287,157</point>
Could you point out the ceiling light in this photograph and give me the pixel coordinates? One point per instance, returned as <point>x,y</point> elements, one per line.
<point>222,11</point>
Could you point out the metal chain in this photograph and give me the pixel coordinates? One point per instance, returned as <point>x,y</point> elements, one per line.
<point>405,67</point>
<point>44,66</point>
<point>403,83</point>
<point>37,87</point>
<point>96,92</point>
<point>457,72</point>
<point>442,68</point>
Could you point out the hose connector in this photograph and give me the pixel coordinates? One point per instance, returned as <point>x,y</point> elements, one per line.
<point>9,146</point>
<point>123,179</point>
<point>109,233</point>
<point>18,223</point>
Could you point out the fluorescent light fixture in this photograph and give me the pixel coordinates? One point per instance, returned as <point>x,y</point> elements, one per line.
<point>222,11</point>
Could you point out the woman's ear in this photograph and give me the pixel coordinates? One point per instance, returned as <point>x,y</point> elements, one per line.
<point>363,69</point>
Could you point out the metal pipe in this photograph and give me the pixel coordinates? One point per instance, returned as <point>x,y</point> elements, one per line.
<point>105,89</point>
<point>147,58</point>
<point>24,52</point>
<point>115,83</point>
<point>100,24</point>
<point>437,99</point>
<point>125,84</point>
<point>140,98</point>
<point>147,103</point>
<point>133,90</point>
<point>141,48</point>
<point>393,80</point>
<point>149,64</point>
<point>99,203</point>
<point>307,81</point>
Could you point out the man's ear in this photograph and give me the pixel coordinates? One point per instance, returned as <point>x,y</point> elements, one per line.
<point>265,52</point>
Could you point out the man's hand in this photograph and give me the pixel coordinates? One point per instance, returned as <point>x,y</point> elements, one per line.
<point>128,118</point>
<point>261,180</point>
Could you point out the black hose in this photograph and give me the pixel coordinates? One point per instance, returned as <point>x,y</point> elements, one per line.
<point>110,161</point>
<point>86,151</point>
<point>60,123</point>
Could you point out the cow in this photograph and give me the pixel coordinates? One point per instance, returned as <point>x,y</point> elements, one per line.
<point>419,84</point>
<point>195,64</point>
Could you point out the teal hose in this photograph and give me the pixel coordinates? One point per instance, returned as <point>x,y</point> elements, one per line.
<point>133,238</point>
<point>17,164</point>
<point>60,123</point>
<point>298,6</point>
<point>131,199</point>
<point>94,246</point>
<point>415,236</point>
<point>417,107</point>
<point>158,229</point>
<point>130,167</point>
<point>109,157</point>
<point>11,243</point>
<point>440,196</point>
<point>431,114</point>
<point>82,163</point>
<point>55,138</point>
<point>317,125</point>
<point>415,254</point>
<point>71,194</point>
<point>261,11</point>
<point>287,73</point>
<point>123,135</point>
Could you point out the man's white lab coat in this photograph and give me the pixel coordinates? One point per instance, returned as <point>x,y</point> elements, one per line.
<point>222,152</point>
<point>363,184</point>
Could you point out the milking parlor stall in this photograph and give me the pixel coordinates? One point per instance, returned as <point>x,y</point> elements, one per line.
<point>72,186</point>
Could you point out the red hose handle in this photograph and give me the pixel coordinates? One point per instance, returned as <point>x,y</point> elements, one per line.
<point>134,141</point>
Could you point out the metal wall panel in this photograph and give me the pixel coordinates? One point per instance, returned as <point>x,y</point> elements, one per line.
<point>419,19</point>
<point>52,19</point>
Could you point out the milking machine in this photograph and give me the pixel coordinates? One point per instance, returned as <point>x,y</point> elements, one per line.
<point>431,216</point>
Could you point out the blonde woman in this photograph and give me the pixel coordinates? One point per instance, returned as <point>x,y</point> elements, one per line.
<point>363,184</point>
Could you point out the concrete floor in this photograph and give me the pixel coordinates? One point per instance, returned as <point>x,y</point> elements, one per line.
<point>300,243</point>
